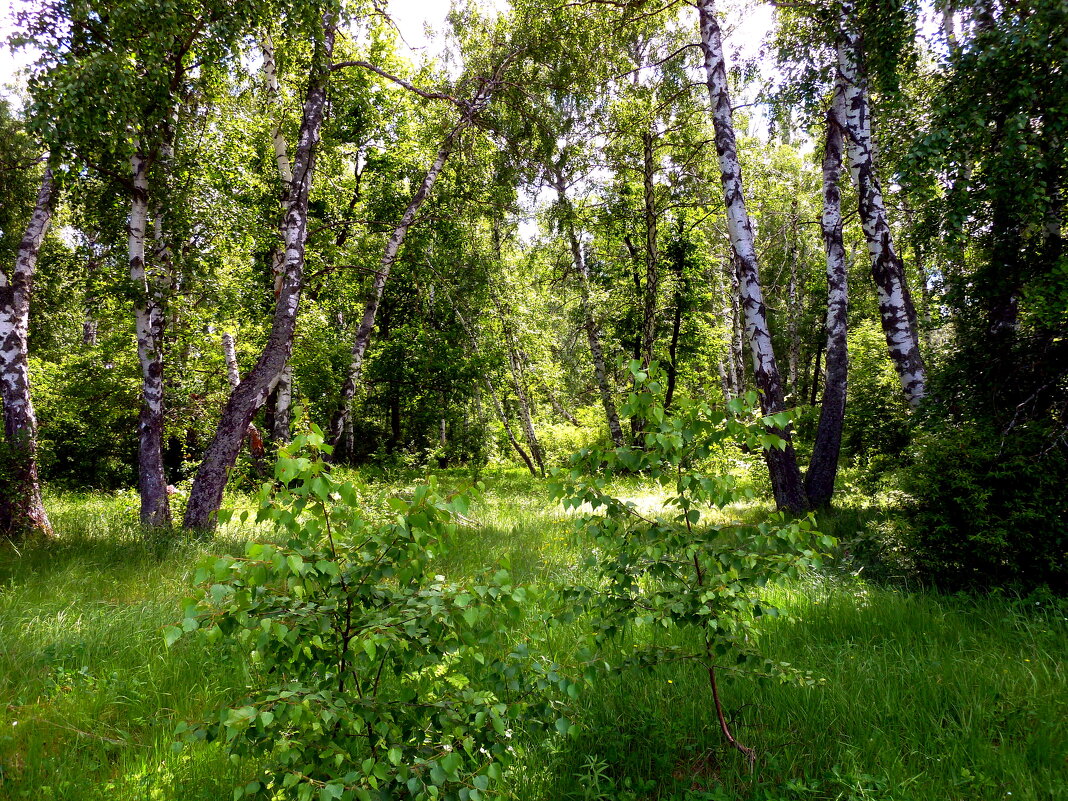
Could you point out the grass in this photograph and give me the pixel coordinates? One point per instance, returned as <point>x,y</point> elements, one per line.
<point>925,696</point>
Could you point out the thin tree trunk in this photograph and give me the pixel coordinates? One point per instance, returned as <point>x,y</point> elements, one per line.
<point>738,325</point>
<point>279,429</point>
<point>782,464</point>
<point>559,409</point>
<point>593,331</point>
<point>498,407</point>
<point>148,314</point>
<point>652,267</point>
<point>525,418</point>
<point>817,371</point>
<point>233,374</point>
<point>822,470</point>
<point>389,257</point>
<point>210,482</point>
<point>728,369</point>
<point>678,266</point>
<point>895,302</point>
<point>793,305</point>
<point>22,512</point>
<point>515,364</point>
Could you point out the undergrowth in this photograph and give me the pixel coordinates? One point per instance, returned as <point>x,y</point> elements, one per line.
<point>926,696</point>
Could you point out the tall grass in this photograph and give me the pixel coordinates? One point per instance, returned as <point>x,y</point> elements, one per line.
<point>924,697</point>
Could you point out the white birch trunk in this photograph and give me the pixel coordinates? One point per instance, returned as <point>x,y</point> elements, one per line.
<point>284,388</point>
<point>895,302</point>
<point>22,511</point>
<point>210,482</point>
<point>148,316</point>
<point>782,465</point>
<point>283,402</point>
<point>823,469</point>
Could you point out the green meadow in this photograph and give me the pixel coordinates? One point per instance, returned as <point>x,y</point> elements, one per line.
<point>922,696</point>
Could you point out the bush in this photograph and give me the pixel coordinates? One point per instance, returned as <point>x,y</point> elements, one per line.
<point>989,510</point>
<point>375,677</point>
<point>682,569</point>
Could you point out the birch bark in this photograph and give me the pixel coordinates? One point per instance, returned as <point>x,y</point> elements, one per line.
<point>279,430</point>
<point>822,470</point>
<point>782,465</point>
<point>206,494</point>
<point>593,331</point>
<point>895,302</point>
<point>652,267</point>
<point>148,317</point>
<point>22,512</point>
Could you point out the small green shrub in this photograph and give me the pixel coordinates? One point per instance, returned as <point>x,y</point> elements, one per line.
<point>375,678</point>
<point>680,568</point>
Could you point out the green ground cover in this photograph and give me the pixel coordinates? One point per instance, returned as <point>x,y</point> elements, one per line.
<point>925,696</point>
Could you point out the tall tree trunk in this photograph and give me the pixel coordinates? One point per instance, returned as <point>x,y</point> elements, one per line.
<point>283,391</point>
<point>389,257</point>
<point>782,464</point>
<point>22,512</point>
<point>895,302</point>
<point>210,482</point>
<point>148,314</point>
<point>822,470</point>
<point>793,305</point>
<point>593,331</point>
<point>652,267</point>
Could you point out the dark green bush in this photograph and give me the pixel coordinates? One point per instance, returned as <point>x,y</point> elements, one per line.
<point>990,510</point>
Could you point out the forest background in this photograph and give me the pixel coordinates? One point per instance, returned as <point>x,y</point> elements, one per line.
<point>563,228</point>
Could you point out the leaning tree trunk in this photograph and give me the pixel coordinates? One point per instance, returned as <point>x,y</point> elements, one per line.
<point>895,302</point>
<point>822,470</point>
<point>593,330</point>
<point>389,257</point>
<point>22,512</point>
<point>206,494</point>
<point>782,464</point>
<point>148,315</point>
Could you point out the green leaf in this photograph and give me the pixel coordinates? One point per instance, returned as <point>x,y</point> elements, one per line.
<point>171,635</point>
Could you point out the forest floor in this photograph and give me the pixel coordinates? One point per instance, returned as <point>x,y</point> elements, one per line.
<point>925,696</point>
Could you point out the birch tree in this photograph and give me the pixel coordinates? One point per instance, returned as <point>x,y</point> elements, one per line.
<point>247,397</point>
<point>898,314</point>
<point>823,468</point>
<point>22,511</point>
<point>469,109</point>
<point>782,464</point>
